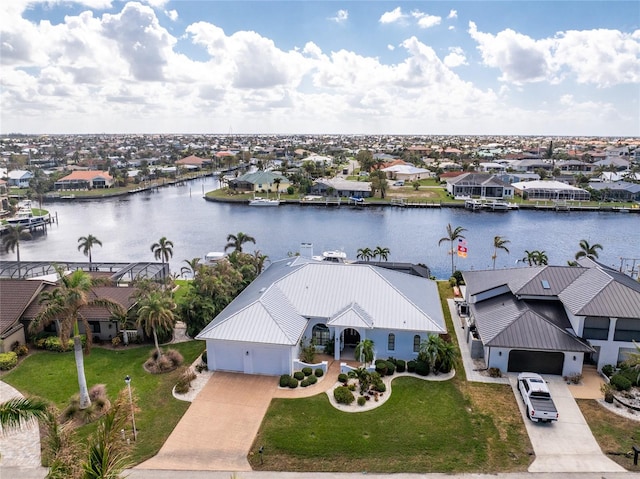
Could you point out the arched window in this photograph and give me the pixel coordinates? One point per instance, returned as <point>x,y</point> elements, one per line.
<point>391,342</point>
<point>321,335</point>
<point>416,343</point>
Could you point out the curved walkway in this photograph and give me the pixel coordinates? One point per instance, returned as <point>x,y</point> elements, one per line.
<point>20,448</point>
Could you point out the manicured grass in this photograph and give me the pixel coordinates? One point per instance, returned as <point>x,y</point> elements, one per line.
<point>53,376</point>
<point>425,426</point>
<point>183,288</point>
<point>615,434</point>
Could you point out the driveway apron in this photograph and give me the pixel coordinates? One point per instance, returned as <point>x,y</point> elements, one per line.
<point>566,445</point>
<point>216,432</point>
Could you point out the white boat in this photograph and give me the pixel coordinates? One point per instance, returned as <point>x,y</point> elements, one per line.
<point>497,206</point>
<point>214,256</point>
<point>332,257</point>
<point>257,201</point>
<point>472,204</point>
<point>25,217</point>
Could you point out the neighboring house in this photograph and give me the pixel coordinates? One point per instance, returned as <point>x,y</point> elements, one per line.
<point>341,188</point>
<point>518,177</point>
<point>103,326</point>
<point>193,162</point>
<point>575,167</point>
<point>406,172</point>
<point>303,299</point>
<point>619,191</point>
<point>481,185</point>
<point>491,167</point>
<point>19,178</point>
<point>260,181</point>
<point>551,319</point>
<point>15,297</point>
<point>531,165</point>
<point>550,190</point>
<point>85,180</point>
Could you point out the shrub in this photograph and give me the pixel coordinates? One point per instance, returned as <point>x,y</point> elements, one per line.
<point>290,190</point>
<point>175,357</point>
<point>377,384</point>
<point>352,374</point>
<point>343,378</point>
<point>422,368</point>
<point>312,379</point>
<point>8,360</point>
<point>164,363</point>
<point>620,383</point>
<point>391,368</point>
<point>204,357</point>
<point>495,373</point>
<point>299,375</point>
<point>342,395</point>
<point>411,366</point>
<point>20,349</point>
<point>115,341</point>
<point>393,360</point>
<point>608,370</point>
<point>304,383</point>
<point>352,387</point>
<point>362,401</point>
<point>401,365</point>
<point>307,371</point>
<point>319,372</point>
<point>184,380</point>
<point>381,368</point>
<point>284,380</point>
<point>293,383</point>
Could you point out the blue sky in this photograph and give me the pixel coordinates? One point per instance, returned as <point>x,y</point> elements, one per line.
<point>473,67</point>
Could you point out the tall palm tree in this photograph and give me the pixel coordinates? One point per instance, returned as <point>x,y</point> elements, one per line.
<point>587,250</point>
<point>365,351</point>
<point>17,411</point>
<point>365,254</point>
<point>63,305</point>
<point>11,241</point>
<point>529,257</point>
<point>499,243</point>
<point>192,267</point>
<point>382,253</point>
<point>453,234</point>
<point>155,312</point>
<point>86,245</point>
<point>238,240</point>
<point>162,250</point>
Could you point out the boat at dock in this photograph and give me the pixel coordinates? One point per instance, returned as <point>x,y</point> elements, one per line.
<point>257,201</point>
<point>25,217</point>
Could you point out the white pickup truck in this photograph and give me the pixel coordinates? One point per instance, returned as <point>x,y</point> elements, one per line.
<point>536,397</point>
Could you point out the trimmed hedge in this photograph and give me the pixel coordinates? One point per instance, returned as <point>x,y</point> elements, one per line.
<point>312,379</point>
<point>401,365</point>
<point>342,395</point>
<point>422,368</point>
<point>8,360</point>
<point>284,380</point>
<point>299,375</point>
<point>620,382</point>
<point>319,372</point>
<point>293,383</point>
<point>391,368</point>
<point>52,343</point>
<point>304,383</point>
<point>608,370</point>
<point>343,378</point>
<point>411,366</point>
<point>362,401</point>
<point>307,371</point>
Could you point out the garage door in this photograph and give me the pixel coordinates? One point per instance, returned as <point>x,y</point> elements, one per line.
<point>228,357</point>
<point>269,361</point>
<point>536,362</point>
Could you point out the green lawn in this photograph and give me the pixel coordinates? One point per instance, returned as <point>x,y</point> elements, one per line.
<point>425,426</point>
<point>53,377</point>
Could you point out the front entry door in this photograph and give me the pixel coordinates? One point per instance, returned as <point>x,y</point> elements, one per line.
<point>351,337</point>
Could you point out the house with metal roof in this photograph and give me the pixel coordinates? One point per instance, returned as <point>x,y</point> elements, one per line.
<point>260,181</point>
<point>551,319</point>
<point>336,304</point>
<point>483,185</point>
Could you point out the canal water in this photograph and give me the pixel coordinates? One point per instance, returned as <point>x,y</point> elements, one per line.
<point>127,226</point>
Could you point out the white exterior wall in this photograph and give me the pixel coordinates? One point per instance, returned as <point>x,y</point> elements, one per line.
<point>249,358</point>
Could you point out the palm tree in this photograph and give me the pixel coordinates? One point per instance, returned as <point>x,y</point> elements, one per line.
<point>452,235</point>
<point>192,268</point>
<point>64,305</point>
<point>535,258</point>
<point>156,311</point>
<point>162,250</point>
<point>236,241</point>
<point>17,411</point>
<point>11,241</point>
<point>588,251</point>
<point>365,351</point>
<point>382,253</point>
<point>365,254</point>
<point>86,245</point>
<point>498,243</point>
<point>529,257</point>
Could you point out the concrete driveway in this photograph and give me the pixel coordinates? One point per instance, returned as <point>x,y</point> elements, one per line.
<point>568,444</point>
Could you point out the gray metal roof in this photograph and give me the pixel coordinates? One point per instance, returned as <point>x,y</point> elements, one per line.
<point>480,281</point>
<point>274,308</point>
<point>557,278</point>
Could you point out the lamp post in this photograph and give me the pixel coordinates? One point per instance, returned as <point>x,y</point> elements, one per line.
<point>127,380</point>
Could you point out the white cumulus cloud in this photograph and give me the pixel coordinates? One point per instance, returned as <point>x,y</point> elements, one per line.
<point>393,16</point>
<point>340,17</point>
<point>455,58</point>
<point>452,14</point>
